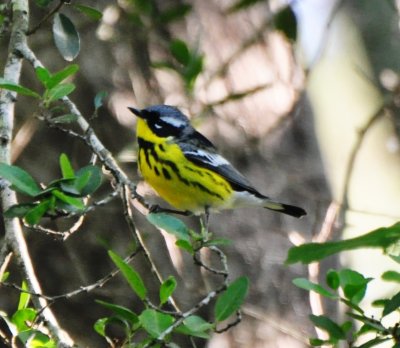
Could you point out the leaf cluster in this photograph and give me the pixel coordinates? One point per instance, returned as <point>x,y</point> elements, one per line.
<point>59,198</point>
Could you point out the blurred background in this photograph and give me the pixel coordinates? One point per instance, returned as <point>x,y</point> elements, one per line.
<point>301,97</point>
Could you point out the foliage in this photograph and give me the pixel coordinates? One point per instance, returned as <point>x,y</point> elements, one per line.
<point>159,323</point>
<point>60,197</point>
<point>24,325</point>
<point>349,287</point>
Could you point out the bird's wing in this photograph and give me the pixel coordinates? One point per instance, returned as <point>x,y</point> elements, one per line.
<point>202,152</point>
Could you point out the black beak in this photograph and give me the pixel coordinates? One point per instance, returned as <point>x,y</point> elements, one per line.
<point>137,112</point>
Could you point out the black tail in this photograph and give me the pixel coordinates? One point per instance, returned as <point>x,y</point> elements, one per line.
<point>286,209</point>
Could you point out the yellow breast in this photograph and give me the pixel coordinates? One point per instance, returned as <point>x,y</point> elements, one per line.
<point>183,184</point>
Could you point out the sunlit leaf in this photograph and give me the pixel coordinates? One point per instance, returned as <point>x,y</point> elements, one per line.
<point>24,297</point>
<point>66,37</point>
<point>21,318</point>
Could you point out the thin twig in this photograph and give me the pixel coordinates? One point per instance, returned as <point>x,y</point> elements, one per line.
<point>46,17</point>
<point>88,288</point>
<point>139,240</point>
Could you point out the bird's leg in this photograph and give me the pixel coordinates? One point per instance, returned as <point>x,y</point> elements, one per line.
<point>204,223</point>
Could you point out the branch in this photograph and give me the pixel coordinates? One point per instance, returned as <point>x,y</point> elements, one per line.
<point>14,238</point>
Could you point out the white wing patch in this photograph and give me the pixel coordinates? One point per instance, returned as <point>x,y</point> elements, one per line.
<point>213,159</point>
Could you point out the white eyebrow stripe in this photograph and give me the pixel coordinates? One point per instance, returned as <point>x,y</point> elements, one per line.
<point>212,158</point>
<point>173,121</point>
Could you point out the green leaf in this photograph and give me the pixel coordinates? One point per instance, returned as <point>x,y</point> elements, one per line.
<point>167,288</point>
<point>100,326</point>
<point>66,37</point>
<point>43,75</point>
<point>185,245</point>
<point>11,86</point>
<point>375,342</point>
<point>395,258</point>
<point>332,279</point>
<point>59,91</point>
<point>75,202</point>
<point>326,324</point>
<point>66,167</point>
<point>372,323</point>
<point>33,216</point>
<point>61,75</point>
<point>21,318</point>
<point>217,242</point>
<point>174,13</point>
<point>20,180</point>
<point>231,299</point>
<point>133,278</point>
<point>379,238</point>
<point>43,3</point>
<point>24,297</point>
<point>67,118</point>
<point>310,286</point>
<point>18,210</point>
<point>122,312</point>
<point>354,285</point>
<point>88,179</point>
<point>285,21</point>
<point>90,12</point>
<point>391,276</point>
<point>195,326</point>
<point>392,305</point>
<point>170,224</point>
<point>180,51</point>
<point>316,342</point>
<point>155,323</point>
<point>99,98</point>
<point>193,69</point>
<point>241,4</point>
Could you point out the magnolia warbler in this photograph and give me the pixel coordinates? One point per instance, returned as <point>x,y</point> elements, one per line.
<point>183,166</point>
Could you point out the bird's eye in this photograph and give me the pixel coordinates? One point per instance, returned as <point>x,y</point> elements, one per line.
<point>157,126</point>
